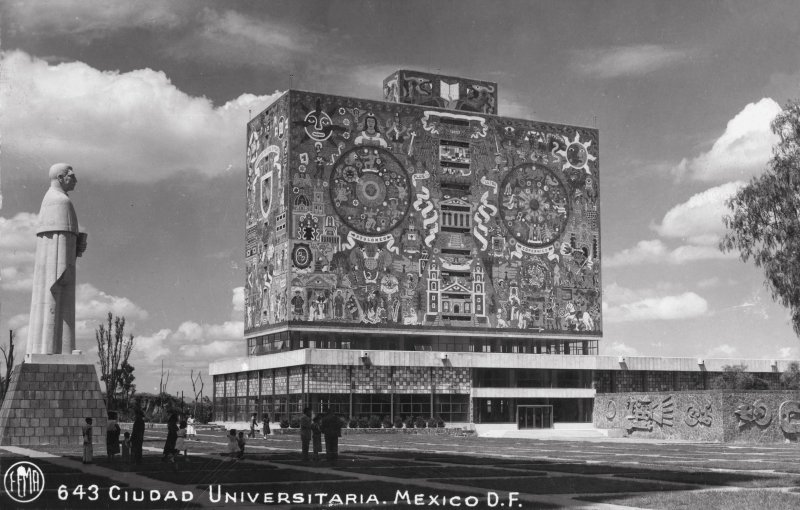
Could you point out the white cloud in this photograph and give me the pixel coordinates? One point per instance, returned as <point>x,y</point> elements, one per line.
<point>238,299</point>
<point>72,112</point>
<point>619,349</point>
<point>634,60</point>
<point>92,304</point>
<point>17,251</point>
<point>699,219</point>
<point>788,353</point>
<point>152,346</point>
<point>656,252</point>
<point>683,306</point>
<point>723,351</point>
<point>743,149</point>
<point>192,340</point>
<point>644,252</point>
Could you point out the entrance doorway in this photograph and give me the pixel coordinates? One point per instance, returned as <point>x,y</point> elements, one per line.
<point>534,417</point>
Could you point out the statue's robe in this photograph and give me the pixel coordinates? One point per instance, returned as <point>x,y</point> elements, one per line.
<point>51,329</point>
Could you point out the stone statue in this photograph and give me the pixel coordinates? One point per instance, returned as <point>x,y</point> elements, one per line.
<point>51,329</point>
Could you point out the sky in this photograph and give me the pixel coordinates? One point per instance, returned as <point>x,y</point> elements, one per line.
<point>148,100</point>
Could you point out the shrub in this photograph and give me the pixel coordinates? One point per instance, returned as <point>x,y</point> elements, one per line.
<point>352,422</point>
<point>398,422</point>
<point>431,423</point>
<point>408,422</point>
<point>420,422</point>
<point>439,422</point>
<point>294,422</point>
<point>363,422</point>
<point>284,423</point>
<point>387,422</point>
<point>374,422</point>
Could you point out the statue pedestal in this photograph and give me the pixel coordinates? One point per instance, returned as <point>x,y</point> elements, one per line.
<point>48,400</point>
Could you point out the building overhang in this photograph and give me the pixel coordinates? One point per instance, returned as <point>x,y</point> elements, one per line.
<point>346,357</point>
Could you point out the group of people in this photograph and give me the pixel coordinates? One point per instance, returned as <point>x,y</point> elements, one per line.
<point>131,444</point>
<point>311,431</point>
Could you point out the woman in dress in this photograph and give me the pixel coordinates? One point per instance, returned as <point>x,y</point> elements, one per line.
<point>190,432</point>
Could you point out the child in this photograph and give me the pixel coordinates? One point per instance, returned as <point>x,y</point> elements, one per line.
<point>126,448</point>
<point>241,442</point>
<point>233,446</point>
<point>253,426</point>
<point>180,443</point>
<point>316,435</point>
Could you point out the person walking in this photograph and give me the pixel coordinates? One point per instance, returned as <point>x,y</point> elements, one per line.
<point>137,437</point>
<point>305,431</point>
<point>332,430</point>
<point>112,436</point>
<point>266,430</point>
<point>86,431</point>
<point>253,426</point>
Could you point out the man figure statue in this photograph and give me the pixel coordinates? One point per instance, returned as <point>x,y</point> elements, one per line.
<point>51,329</point>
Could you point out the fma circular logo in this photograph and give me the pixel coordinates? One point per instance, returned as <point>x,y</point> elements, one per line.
<point>24,482</point>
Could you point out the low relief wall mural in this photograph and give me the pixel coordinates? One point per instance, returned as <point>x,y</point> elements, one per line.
<point>405,216</point>
<point>747,416</point>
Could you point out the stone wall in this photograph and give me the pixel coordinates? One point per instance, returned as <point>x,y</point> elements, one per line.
<point>48,404</point>
<point>740,416</point>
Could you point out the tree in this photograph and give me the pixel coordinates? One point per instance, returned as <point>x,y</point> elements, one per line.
<point>125,386</point>
<point>790,379</point>
<point>198,393</point>
<point>736,377</point>
<point>113,349</point>
<point>8,362</point>
<point>764,224</point>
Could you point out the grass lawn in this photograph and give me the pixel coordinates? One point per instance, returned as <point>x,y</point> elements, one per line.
<point>707,500</point>
<point>440,471</point>
<point>566,485</point>
<point>718,478</point>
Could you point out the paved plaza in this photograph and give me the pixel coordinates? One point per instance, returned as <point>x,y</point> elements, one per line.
<point>390,471</point>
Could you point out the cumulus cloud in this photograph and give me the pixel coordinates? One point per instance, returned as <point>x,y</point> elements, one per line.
<point>743,149</point>
<point>17,251</point>
<point>699,219</point>
<point>633,60</point>
<point>73,112</point>
<point>674,307</point>
<point>92,303</point>
<point>656,252</point>
<point>152,346</point>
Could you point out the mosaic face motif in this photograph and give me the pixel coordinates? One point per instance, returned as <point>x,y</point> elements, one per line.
<point>534,205</point>
<point>370,190</point>
<point>318,125</point>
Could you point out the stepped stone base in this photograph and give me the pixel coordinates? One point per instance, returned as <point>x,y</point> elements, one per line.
<point>48,403</point>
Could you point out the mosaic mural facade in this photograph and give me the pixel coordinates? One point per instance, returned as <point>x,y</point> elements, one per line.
<point>406,216</point>
<point>450,92</point>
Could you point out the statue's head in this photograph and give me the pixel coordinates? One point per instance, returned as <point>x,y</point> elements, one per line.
<point>64,175</point>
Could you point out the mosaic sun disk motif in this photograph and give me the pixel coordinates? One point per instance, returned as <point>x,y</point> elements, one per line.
<point>534,205</point>
<point>370,190</point>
